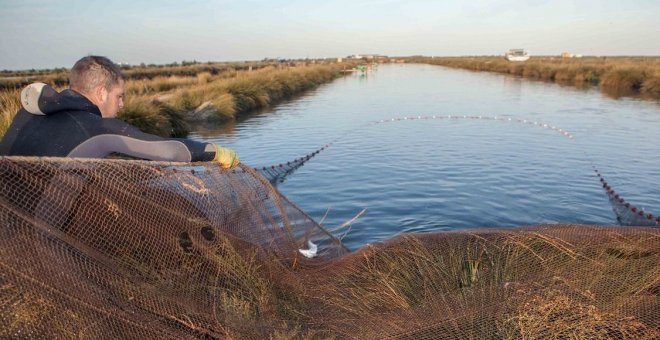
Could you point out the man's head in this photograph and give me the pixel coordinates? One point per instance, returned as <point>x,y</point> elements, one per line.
<point>100,80</point>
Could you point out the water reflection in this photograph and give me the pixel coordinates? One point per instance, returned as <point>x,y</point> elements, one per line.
<point>513,86</point>
<point>615,93</point>
<point>210,130</point>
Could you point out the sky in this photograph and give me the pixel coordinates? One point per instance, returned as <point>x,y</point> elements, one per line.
<point>45,34</point>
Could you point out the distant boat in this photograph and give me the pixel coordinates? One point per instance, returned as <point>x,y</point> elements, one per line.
<point>517,54</point>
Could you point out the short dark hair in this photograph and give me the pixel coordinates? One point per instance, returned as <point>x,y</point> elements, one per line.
<point>92,71</point>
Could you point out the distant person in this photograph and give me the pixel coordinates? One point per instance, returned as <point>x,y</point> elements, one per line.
<point>80,122</point>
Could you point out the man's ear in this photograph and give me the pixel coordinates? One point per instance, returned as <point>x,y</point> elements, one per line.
<point>100,94</point>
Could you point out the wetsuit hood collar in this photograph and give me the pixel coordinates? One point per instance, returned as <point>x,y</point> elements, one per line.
<point>42,99</point>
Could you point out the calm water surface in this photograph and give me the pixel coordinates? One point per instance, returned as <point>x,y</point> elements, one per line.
<point>441,174</point>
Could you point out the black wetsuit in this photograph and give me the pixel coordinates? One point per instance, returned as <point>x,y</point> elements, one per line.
<point>72,126</point>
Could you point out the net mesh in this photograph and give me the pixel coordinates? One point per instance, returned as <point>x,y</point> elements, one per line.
<point>132,249</point>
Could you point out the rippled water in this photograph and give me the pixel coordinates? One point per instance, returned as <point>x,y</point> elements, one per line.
<point>444,174</point>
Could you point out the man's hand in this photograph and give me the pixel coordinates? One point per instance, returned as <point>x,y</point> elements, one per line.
<point>226,157</point>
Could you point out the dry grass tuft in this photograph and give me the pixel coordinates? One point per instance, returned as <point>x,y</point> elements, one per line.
<point>551,313</point>
<point>651,86</point>
<point>622,80</point>
<point>10,103</point>
<point>145,115</point>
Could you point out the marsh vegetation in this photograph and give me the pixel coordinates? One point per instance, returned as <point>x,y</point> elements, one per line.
<point>615,76</point>
<point>167,100</point>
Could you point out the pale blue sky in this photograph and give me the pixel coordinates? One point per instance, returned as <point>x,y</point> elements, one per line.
<point>44,33</point>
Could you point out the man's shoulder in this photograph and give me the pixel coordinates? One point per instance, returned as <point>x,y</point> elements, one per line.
<point>116,123</point>
<point>71,116</point>
<point>52,135</point>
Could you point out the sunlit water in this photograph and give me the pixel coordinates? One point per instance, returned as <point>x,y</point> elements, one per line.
<point>441,174</point>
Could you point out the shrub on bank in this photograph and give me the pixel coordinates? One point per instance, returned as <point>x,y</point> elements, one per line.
<point>9,104</point>
<point>588,75</point>
<point>651,86</point>
<point>622,80</point>
<point>566,75</point>
<point>249,94</point>
<point>145,115</point>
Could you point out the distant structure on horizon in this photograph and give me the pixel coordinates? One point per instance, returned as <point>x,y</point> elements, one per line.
<point>517,54</point>
<point>570,55</point>
<point>367,56</point>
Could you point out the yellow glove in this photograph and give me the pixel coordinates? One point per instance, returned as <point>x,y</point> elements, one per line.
<point>226,157</point>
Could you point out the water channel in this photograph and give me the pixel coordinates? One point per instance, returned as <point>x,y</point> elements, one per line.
<point>449,174</point>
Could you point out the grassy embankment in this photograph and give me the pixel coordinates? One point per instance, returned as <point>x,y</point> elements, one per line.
<point>166,101</point>
<point>615,76</point>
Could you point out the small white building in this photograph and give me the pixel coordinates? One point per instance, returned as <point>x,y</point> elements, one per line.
<point>517,54</point>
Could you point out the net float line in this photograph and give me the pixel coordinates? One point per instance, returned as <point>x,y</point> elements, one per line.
<point>626,212</point>
<point>496,118</point>
<point>277,173</point>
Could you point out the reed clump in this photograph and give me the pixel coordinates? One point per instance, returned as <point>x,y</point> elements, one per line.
<point>651,85</point>
<point>158,84</point>
<point>10,103</point>
<point>145,115</point>
<point>623,80</point>
<point>271,86</point>
<point>617,76</point>
<point>556,313</point>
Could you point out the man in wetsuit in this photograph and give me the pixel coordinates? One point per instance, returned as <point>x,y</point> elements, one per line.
<point>81,122</point>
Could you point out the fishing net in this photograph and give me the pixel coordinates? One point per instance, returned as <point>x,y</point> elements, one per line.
<point>132,249</point>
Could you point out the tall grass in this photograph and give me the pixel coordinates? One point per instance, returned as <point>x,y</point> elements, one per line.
<point>269,86</point>
<point>617,76</point>
<point>147,116</point>
<point>651,86</point>
<point>157,84</point>
<point>623,80</point>
<point>9,104</point>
